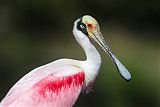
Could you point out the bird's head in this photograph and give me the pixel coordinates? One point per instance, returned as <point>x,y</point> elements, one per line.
<point>90,28</point>
<point>93,31</point>
<point>91,25</point>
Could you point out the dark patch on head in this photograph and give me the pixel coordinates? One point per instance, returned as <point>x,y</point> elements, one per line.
<point>82,27</point>
<point>90,25</point>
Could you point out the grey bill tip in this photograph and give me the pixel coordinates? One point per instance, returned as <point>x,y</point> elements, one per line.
<point>121,68</point>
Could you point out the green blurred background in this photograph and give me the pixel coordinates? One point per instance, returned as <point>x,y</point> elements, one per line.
<point>36,32</point>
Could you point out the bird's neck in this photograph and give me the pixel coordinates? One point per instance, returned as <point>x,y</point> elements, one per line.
<point>93,56</point>
<point>92,64</point>
<point>91,52</point>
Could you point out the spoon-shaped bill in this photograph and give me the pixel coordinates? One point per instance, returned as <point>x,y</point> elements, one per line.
<point>121,68</point>
<point>97,36</point>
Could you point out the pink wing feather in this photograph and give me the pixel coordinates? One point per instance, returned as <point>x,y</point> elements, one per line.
<point>48,86</point>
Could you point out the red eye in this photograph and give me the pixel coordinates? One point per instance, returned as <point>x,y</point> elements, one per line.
<point>89,25</point>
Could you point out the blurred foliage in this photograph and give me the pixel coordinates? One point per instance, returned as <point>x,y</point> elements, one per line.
<point>36,32</point>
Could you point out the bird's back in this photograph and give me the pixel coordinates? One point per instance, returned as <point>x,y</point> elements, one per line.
<point>52,85</point>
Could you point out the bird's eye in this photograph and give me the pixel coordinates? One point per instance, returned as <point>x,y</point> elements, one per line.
<point>82,26</point>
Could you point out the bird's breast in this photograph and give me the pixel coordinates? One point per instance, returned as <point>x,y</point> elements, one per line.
<point>91,72</point>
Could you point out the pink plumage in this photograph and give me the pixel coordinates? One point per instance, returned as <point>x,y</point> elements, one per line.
<point>45,87</point>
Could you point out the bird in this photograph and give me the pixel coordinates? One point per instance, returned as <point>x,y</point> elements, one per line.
<point>59,83</point>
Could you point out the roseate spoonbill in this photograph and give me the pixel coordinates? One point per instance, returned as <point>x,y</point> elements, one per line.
<point>59,83</point>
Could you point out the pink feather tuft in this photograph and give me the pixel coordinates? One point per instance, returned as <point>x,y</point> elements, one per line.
<point>53,84</point>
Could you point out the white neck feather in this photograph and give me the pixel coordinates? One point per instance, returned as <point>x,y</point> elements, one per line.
<point>92,64</point>
<point>90,51</point>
